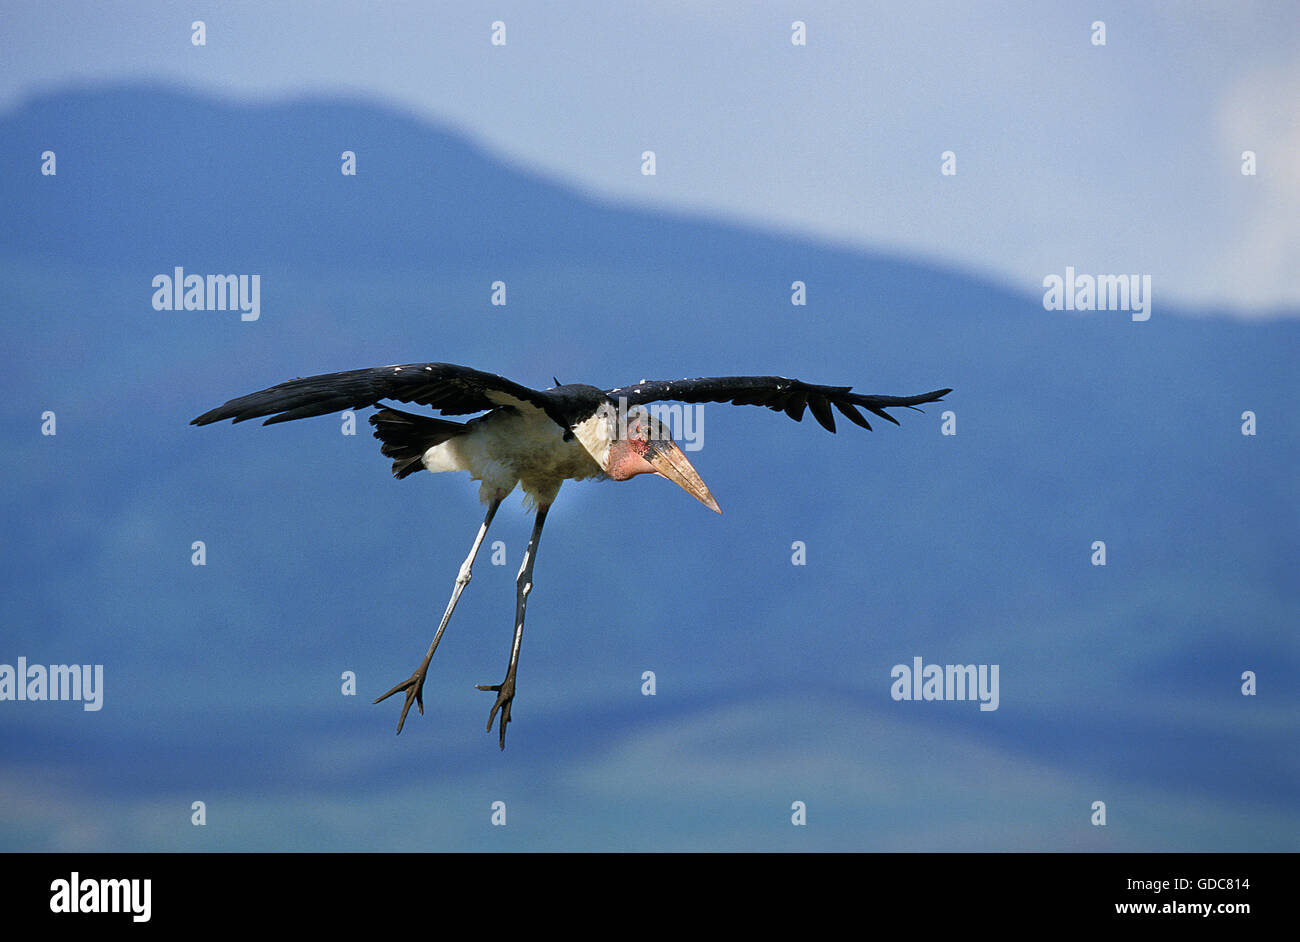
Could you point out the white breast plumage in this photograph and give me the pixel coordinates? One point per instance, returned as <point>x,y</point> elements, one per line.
<point>513,447</point>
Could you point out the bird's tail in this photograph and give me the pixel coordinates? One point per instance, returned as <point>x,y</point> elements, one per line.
<point>407,437</point>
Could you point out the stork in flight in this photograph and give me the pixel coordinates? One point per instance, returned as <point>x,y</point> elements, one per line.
<point>534,439</point>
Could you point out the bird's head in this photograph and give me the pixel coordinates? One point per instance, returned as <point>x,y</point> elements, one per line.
<point>628,440</point>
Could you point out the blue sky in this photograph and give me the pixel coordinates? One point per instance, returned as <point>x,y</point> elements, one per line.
<point>1122,158</point>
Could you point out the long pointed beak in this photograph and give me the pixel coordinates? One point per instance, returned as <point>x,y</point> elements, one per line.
<point>669,462</point>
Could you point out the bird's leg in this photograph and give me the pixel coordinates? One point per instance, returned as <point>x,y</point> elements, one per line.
<point>505,690</point>
<point>414,685</point>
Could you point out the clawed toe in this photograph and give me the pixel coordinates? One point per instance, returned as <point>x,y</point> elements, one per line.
<point>414,687</point>
<point>505,696</point>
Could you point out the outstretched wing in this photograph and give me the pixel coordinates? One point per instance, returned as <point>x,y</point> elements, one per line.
<point>451,389</point>
<point>775,392</point>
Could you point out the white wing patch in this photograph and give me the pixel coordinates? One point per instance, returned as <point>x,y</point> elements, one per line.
<point>500,398</point>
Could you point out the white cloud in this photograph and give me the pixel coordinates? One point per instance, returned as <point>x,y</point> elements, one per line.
<point>1261,113</point>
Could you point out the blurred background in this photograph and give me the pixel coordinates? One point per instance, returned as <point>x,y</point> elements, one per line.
<point>478,162</point>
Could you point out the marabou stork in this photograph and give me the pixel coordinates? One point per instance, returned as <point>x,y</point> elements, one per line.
<point>535,439</point>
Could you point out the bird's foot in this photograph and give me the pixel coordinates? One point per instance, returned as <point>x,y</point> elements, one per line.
<point>414,687</point>
<point>505,692</point>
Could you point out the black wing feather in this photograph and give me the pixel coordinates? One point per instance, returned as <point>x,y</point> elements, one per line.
<point>821,410</point>
<point>848,410</point>
<point>451,389</point>
<point>778,393</point>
